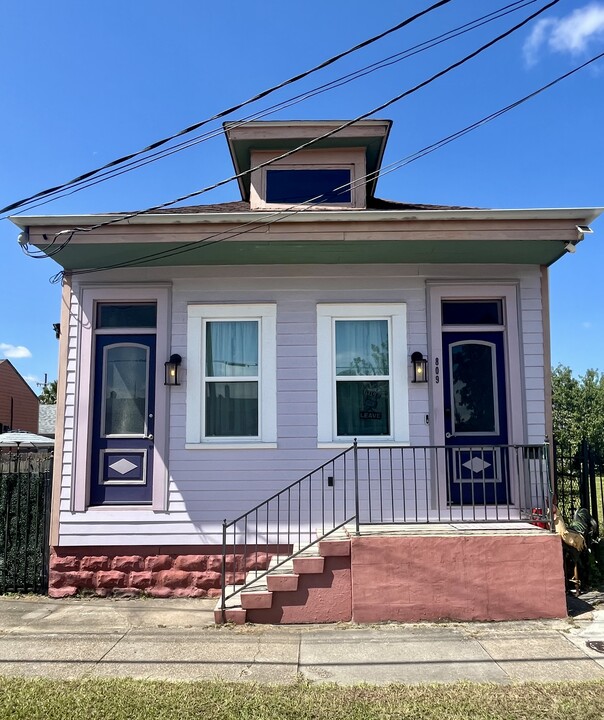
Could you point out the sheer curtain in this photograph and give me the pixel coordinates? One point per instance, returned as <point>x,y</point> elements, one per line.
<point>363,405</point>
<point>362,347</point>
<point>231,407</point>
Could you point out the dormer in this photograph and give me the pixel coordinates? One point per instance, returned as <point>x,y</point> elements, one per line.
<point>335,173</point>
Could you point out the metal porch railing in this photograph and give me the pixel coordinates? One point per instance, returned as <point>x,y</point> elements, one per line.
<point>377,485</point>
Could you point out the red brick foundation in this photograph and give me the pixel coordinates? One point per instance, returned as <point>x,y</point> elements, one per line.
<point>157,572</point>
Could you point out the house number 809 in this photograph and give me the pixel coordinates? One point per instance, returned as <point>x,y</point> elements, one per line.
<point>436,371</point>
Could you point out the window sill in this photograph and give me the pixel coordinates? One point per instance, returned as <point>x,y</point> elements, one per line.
<point>231,446</point>
<point>337,444</point>
<point>104,509</point>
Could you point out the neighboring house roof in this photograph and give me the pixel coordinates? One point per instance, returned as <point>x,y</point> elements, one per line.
<point>18,402</point>
<point>47,420</point>
<point>23,383</point>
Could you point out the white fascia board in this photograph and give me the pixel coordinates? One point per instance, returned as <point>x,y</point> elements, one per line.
<point>588,214</point>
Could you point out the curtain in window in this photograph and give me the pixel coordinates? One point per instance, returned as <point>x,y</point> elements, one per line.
<point>232,349</point>
<point>362,347</point>
<point>231,408</point>
<point>362,406</point>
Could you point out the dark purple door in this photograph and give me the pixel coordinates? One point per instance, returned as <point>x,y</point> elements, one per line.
<point>123,414</point>
<point>476,424</point>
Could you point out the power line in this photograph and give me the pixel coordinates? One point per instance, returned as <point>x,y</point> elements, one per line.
<point>234,108</point>
<point>313,141</point>
<point>338,82</point>
<point>479,123</point>
<point>294,210</point>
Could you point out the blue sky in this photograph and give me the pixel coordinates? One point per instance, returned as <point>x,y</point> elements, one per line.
<point>83,83</point>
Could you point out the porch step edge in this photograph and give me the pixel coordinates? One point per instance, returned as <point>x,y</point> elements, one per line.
<point>334,548</point>
<point>256,599</point>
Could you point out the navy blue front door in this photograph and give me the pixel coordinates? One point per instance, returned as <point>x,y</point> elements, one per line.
<point>122,425</point>
<point>475,417</point>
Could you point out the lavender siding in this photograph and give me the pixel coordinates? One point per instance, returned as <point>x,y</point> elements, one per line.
<point>207,485</point>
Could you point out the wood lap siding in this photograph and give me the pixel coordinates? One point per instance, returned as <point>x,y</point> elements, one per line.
<point>532,341</point>
<point>207,485</point>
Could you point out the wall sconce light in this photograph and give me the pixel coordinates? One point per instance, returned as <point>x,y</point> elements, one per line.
<point>171,370</point>
<point>420,368</point>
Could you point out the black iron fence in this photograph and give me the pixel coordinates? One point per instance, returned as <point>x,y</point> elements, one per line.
<point>579,481</point>
<point>25,492</point>
<point>371,485</point>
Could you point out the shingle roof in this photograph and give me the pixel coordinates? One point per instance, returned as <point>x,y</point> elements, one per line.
<point>244,206</point>
<point>47,419</point>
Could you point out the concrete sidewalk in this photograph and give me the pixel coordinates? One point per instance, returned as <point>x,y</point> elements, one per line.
<point>177,640</point>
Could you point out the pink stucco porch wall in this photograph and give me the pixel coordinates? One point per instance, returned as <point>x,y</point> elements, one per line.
<point>481,577</point>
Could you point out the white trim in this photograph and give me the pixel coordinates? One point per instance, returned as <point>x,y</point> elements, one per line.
<point>197,316</point>
<point>89,295</point>
<point>513,358</point>
<point>352,159</point>
<point>396,314</point>
<point>211,445</point>
<point>365,444</point>
<point>588,214</point>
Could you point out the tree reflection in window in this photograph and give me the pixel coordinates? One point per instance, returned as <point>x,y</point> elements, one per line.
<point>473,386</point>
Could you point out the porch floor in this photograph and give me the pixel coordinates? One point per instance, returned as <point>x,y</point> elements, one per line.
<point>444,529</point>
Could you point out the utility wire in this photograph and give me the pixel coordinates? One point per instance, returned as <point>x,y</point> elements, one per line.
<point>338,82</point>
<point>294,210</point>
<point>312,142</point>
<point>234,108</point>
<point>479,123</point>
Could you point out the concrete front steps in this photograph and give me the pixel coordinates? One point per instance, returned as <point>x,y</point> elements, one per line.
<point>405,573</point>
<point>313,587</point>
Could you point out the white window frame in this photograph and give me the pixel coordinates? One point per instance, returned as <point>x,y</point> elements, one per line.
<point>198,316</point>
<point>396,315</point>
<point>352,159</point>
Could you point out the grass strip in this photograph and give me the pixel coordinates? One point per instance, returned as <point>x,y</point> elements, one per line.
<point>118,699</point>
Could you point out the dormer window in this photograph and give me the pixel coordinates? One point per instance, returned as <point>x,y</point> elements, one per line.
<point>337,171</point>
<point>320,186</point>
<point>322,179</point>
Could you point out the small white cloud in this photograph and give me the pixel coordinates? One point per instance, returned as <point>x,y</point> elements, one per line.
<point>586,324</point>
<point>14,351</point>
<point>535,40</point>
<point>571,34</point>
<point>32,379</point>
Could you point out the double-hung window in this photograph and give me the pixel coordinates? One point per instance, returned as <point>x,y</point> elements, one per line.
<point>231,374</point>
<point>362,373</point>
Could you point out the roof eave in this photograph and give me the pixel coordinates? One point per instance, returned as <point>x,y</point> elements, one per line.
<point>585,214</point>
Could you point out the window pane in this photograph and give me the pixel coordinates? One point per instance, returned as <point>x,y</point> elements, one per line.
<point>362,347</point>
<point>232,349</point>
<point>125,390</point>
<point>231,409</point>
<point>473,388</point>
<point>363,407</point>
<point>121,315</point>
<point>471,312</point>
<point>319,185</point>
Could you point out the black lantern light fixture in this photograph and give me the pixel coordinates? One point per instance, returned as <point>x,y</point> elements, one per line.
<point>171,370</point>
<point>420,367</point>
